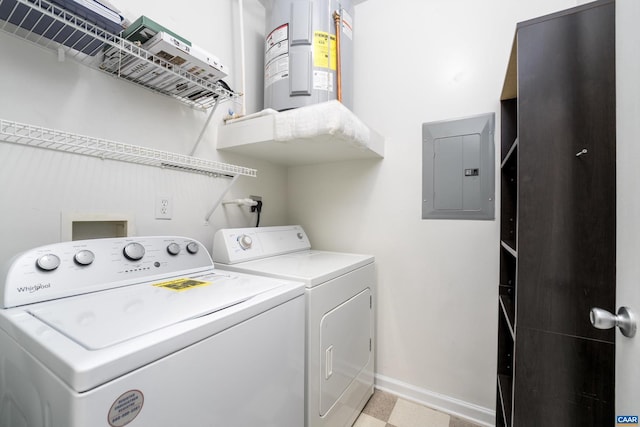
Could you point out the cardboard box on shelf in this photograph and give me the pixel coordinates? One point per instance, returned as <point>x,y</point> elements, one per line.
<point>192,59</point>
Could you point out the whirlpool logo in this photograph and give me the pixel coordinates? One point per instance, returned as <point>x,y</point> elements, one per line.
<point>627,420</point>
<point>34,288</point>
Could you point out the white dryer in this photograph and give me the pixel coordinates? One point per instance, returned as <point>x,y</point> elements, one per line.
<point>144,332</point>
<point>340,293</point>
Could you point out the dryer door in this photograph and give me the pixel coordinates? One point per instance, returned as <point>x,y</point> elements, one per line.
<point>345,343</point>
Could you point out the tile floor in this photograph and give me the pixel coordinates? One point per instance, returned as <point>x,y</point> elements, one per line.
<point>387,410</point>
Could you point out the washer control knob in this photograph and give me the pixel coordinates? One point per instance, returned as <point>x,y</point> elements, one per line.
<point>245,242</point>
<point>48,262</point>
<point>133,251</point>
<point>84,257</point>
<point>192,248</point>
<point>173,249</point>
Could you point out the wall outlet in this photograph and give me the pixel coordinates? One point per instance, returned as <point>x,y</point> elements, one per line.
<point>164,207</point>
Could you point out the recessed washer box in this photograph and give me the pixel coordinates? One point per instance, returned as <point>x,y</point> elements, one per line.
<point>84,226</point>
<point>458,172</point>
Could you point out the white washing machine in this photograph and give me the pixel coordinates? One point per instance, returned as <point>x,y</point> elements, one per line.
<point>144,332</point>
<point>340,293</point>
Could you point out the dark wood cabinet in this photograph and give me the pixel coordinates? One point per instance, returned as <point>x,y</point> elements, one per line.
<point>558,199</point>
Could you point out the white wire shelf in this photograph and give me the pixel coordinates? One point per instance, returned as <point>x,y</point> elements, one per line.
<point>35,136</point>
<point>47,25</point>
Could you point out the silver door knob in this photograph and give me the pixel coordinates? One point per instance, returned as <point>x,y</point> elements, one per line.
<point>625,320</point>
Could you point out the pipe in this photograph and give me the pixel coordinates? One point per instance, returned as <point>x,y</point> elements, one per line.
<point>243,109</point>
<point>217,203</point>
<point>337,20</point>
<point>241,202</point>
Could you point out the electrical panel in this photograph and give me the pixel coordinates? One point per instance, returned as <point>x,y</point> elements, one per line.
<point>458,170</point>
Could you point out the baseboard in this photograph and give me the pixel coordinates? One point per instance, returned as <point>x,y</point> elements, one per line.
<point>458,408</point>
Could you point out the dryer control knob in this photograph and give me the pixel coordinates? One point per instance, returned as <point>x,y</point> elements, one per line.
<point>84,257</point>
<point>245,242</point>
<point>192,248</point>
<point>48,262</point>
<point>173,249</point>
<point>133,251</point>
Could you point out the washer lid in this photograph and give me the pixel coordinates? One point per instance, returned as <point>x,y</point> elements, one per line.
<point>311,267</point>
<point>102,319</point>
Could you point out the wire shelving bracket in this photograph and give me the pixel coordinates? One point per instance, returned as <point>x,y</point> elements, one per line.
<point>35,136</point>
<point>87,43</point>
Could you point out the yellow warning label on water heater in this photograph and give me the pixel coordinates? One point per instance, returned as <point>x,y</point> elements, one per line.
<point>180,285</point>
<point>324,50</point>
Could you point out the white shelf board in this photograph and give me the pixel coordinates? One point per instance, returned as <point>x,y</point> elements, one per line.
<point>321,133</point>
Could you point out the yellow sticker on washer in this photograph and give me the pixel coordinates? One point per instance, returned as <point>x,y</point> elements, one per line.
<point>180,285</point>
<point>324,50</point>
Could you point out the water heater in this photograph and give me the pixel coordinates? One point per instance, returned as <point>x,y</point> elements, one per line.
<point>308,53</point>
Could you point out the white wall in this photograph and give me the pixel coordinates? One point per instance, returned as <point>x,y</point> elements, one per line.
<point>418,62</point>
<point>37,186</point>
<point>415,62</point>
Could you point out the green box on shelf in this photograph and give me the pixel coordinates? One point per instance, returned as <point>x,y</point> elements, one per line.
<point>143,28</point>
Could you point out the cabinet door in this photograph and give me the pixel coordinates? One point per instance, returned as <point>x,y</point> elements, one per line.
<point>566,236</point>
